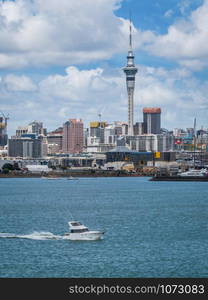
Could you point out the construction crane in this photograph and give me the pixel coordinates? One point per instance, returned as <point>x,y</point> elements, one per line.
<point>4,126</point>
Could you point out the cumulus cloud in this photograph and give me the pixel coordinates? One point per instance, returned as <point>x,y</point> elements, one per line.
<point>186,40</point>
<point>184,6</point>
<point>15,83</point>
<point>86,93</point>
<point>35,32</point>
<point>168,13</point>
<point>51,32</point>
<point>78,84</point>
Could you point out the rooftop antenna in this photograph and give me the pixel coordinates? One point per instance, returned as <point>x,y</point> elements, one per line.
<point>5,119</point>
<point>100,125</point>
<point>99,115</point>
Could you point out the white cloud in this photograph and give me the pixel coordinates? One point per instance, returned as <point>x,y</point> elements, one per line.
<point>184,6</point>
<point>86,93</point>
<point>78,84</point>
<point>186,40</point>
<point>51,32</point>
<point>58,32</point>
<point>168,13</point>
<point>15,83</point>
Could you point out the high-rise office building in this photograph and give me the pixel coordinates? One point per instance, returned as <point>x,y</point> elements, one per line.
<point>35,128</point>
<point>73,136</point>
<point>97,130</point>
<point>138,128</point>
<point>25,148</point>
<point>130,70</point>
<point>55,138</point>
<point>152,120</point>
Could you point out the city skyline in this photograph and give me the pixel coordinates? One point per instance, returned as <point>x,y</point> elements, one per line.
<point>52,71</point>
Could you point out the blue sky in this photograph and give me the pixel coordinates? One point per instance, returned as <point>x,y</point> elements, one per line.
<point>63,59</point>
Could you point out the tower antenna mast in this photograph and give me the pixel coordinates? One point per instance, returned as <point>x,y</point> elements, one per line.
<point>130,31</point>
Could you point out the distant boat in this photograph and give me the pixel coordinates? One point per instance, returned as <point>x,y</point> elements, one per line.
<point>77,232</point>
<point>194,173</point>
<point>72,178</point>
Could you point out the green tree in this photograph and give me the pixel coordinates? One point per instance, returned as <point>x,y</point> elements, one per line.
<point>8,167</point>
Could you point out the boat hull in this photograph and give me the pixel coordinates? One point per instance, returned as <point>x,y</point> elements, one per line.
<point>85,236</point>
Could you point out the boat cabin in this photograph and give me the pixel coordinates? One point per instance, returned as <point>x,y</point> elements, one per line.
<point>77,227</point>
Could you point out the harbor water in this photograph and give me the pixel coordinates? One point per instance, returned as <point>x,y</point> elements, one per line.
<point>152,229</point>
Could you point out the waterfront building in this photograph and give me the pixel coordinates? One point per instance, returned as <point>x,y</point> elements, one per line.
<point>110,136</point>
<point>35,128</point>
<point>86,135</point>
<point>190,131</point>
<point>96,130</point>
<point>152,120</point>
<point>52,149</point>
<point>138,158</point>
<point>99,148</point>
<point>179,132</point>
<point>25,148</point>
<point>73,136</point>
<point>138,128</point>
<point>121,128</point>
<point>124,154</point>
<point>44,147</point>
<point>55,138</point>
<point>21,130</point>
<point>130,70</point>
<point>152,142</point>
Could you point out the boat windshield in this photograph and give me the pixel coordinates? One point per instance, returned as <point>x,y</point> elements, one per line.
<point>75,223</point>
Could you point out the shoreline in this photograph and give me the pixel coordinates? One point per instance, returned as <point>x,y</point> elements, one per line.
<point>74,174</point>
<point>176,178</point>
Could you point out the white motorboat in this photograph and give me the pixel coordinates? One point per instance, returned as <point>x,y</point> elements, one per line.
<point>78,231</point>
<point>72,178</point>
<point>195,173</point>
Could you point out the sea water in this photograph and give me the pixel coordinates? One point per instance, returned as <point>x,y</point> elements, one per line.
<point>153,229</point>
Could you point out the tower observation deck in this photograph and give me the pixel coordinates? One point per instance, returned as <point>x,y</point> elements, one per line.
<point>130,70</point>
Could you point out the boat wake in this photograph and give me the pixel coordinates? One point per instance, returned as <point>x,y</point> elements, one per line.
<point>77,232</point>
<point>42,235</point>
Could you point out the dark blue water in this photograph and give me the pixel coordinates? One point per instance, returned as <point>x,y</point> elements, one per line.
<point>153,229</point>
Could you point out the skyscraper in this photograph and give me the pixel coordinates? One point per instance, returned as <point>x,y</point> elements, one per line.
<point>97,130</point>
<point>3,134</point>
<point>73,136</point>
<point>25,147</point>
<point>152,120</point>
<point>130,70</point>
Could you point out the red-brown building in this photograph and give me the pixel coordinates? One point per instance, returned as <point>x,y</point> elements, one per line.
<point>152,120</point>
<point>73,136</point>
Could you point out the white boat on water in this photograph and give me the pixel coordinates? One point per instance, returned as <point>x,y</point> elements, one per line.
<point>77,232</point>
<point>72,178</point>
<point>194,173</point>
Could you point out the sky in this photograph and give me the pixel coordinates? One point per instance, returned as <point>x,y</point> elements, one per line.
<point>62,59</point>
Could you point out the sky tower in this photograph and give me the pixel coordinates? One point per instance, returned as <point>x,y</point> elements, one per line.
<point>130,70</point>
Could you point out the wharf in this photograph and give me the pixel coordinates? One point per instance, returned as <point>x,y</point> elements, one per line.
<point>72,173</point>
<point>179,178</point>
